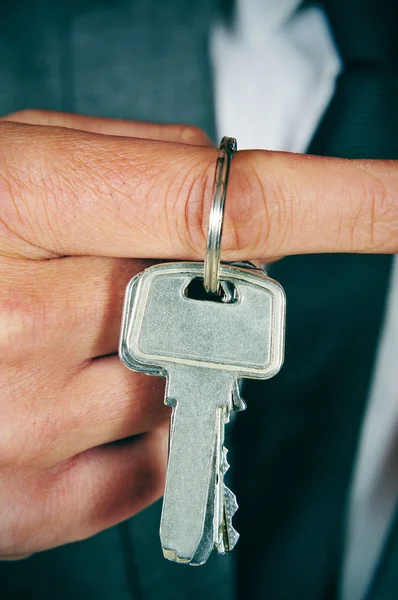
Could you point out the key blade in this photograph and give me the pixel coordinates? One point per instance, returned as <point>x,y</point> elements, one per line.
<point>186,530</point>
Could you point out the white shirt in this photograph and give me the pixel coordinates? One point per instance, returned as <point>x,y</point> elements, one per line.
<point>275,74</point>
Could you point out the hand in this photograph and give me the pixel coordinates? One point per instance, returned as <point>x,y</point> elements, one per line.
<point>73,205</point>
<point>65,396</point>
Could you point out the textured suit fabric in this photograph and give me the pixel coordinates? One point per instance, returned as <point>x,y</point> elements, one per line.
<point>128,59</point>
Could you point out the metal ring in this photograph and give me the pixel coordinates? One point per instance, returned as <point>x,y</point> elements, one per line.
<point>211,281</point>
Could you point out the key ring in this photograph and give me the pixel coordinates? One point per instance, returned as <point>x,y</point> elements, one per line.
<point>211,281</point>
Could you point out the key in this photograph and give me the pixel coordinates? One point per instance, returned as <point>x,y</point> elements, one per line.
<point>203,346</point>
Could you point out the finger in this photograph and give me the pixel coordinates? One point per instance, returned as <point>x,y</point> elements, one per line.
<point>68,309</point>
<point>91,492</point>
<point>170,132</point>
<point>81,194</point>
<point>101,403</point>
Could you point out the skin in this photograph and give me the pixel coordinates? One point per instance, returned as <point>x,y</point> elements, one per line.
<point>84,204</point>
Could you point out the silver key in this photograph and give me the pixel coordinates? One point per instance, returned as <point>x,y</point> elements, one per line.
<point>203,347</point>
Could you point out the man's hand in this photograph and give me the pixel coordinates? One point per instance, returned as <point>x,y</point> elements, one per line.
<point>77,202</point>
<point>64,395</point>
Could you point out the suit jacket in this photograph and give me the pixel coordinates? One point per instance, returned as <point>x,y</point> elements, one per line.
<point>149,60</point>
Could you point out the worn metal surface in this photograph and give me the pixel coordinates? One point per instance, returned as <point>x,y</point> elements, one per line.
<point>203,347</point>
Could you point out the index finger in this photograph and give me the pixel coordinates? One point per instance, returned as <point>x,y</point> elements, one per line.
<point>73,193</point>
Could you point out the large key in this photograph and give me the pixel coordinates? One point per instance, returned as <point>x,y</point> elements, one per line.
<point>203,345</point>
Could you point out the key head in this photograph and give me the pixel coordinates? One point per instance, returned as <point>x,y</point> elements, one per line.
<point>163,327</point>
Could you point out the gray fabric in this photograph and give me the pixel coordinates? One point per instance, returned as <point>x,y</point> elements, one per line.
<point>127,59</point>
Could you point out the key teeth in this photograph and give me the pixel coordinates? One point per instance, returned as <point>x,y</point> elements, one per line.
<point>224,461</point>
<point>231,505</point>
<point>229,535</point>
<point>233,537</point>
<point>237,401</point>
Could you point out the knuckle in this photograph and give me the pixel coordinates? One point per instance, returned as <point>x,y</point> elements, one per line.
<point>247,211</point>
<point>246,232</point>
<point>373,226</point>
<point>191,206</point>
<point>382,209</point>
<point>9,187</point>
<point>23,319</point>
<point>33,181</point>
<point>27,424</point>
<point>16,179</point>
<point>246,222</point>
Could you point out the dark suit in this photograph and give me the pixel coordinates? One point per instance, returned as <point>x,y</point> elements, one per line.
<point>149,60</point>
